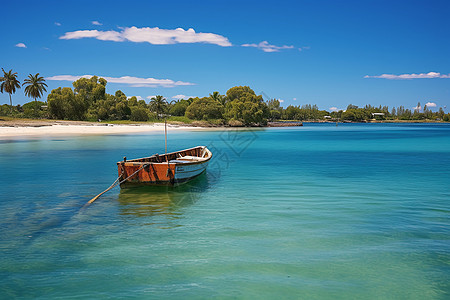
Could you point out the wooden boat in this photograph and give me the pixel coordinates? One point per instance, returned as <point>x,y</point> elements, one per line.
<point>167,169</point>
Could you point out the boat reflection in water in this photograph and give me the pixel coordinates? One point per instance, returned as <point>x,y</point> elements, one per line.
<point>167,201</point>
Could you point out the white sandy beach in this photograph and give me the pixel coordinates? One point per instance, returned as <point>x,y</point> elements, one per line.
<point>7,132</point>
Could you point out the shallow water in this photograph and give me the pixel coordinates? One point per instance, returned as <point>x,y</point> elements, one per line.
<point>358,211</point>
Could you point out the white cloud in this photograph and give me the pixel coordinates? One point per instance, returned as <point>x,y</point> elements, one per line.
<point>137,97</point>
<point>57,24</point>
<point>150,97</point>
<point>178,97</point>
<point>333,108</point>
<point>155,36</point>
<point>281,101</point>
<point>411,76</point>
<point>295,99</point>
<point>96,23</point>
<point>431,104</point>
<point>266,47</point>
<point>128,80</point>
<point>21,45</point>
<point>100,35</point>
<point>417,108</point>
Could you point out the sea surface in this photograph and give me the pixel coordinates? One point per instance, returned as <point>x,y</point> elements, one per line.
<point>357,211</point>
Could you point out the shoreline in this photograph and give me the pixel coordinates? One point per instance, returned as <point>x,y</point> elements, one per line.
<point>38,128</point>
<point>18,128</point>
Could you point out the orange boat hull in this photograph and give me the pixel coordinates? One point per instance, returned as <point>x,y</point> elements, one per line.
<point>169,169</point>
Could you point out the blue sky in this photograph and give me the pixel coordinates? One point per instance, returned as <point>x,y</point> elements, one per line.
<point>329,53</point>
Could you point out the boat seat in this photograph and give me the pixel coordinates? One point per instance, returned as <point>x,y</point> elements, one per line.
<point>188,157</point>
<point>175,161</point>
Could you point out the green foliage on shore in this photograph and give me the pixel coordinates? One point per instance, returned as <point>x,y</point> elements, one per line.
<point>240,106</point>
<point>28,110</point>
<point>303,113</point>
<point>179,119</point>
<point>204,109</point>
<point>158,105</point>
<point>245,106</point>
<point>64,104</point>
<point>179,107</point>
<point>9,83</point>
<point>35,86</point>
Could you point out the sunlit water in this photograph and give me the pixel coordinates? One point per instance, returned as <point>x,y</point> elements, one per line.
<point>313,212</point>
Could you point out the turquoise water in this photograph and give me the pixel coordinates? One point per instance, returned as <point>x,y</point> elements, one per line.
<point>359,211</point>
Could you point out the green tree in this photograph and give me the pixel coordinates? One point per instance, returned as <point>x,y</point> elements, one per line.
<point>238,92</point>
<point>336,114</point>
<point>132,101</point>
<point>292,113</point>
<point>393,113</point>
<point>35,86</point>
<point>311,112</point>
<point>87,92</point>
<point>179,108</point>
<point>102,109</point>
<point>158,104</point>
<point>204,109</point>
<point>64,104</point>
<point>403,114</point>
<point>142,103</point>
<point>355,114</point>
<point>120,96</point>
<point>29,109</point>
<point>9,83</point>
<point>446,117</point>
<point>138,114</point>
<point>57,102</point>
<point>427,113</point>
<point>219,98</point>
<point>113,107</point>
<point>123,111</point>
<point>417,108</point>
<point>440,113</point>
<point>274,104</point>
<point>275,109</point>
<point>91,90</point>
<point>246,107</point>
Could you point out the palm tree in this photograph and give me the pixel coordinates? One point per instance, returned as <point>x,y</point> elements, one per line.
<point>9,84</point>
<point>158,104</point>
<point>35,87</point>
<point>218,97</point>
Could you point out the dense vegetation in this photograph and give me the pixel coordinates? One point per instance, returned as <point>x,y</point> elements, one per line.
<point>240,106</point>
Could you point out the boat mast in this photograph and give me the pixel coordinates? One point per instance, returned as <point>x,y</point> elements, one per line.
<point>165,132</point>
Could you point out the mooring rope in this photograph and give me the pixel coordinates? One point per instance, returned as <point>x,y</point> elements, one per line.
<point>115,183</point>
